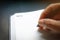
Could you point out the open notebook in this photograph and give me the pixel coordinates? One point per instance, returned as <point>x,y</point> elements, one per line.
<point>24,26</point>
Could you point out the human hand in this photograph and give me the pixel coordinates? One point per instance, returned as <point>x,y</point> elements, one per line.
<point>50,24</point>
<point>50,18</point>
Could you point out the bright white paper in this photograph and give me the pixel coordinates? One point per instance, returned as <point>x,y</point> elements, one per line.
<point>24,25</point>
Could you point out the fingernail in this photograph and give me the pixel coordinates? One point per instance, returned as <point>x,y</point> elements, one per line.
<point>41,21</point>
<point>44,25</point>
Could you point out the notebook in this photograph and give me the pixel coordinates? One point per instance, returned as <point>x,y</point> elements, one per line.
<point>24,25</point>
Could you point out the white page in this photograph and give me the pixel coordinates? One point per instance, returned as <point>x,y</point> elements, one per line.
<point>23,26</point>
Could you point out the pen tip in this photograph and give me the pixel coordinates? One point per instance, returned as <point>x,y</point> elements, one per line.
<point>38,26</point>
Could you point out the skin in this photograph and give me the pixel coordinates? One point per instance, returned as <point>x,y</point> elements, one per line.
<point>51,18</point>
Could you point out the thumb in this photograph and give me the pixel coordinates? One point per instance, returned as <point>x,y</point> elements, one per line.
<point>52,24</point>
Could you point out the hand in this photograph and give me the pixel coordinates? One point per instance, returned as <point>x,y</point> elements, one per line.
<point>50,18</point>
<point>50,24</point>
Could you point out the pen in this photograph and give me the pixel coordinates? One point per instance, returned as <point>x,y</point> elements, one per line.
<point>38,25</point>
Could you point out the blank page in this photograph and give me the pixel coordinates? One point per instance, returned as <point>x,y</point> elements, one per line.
<point>24,26</point>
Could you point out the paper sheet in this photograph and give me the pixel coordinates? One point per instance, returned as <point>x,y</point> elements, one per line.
<point>24,25</point>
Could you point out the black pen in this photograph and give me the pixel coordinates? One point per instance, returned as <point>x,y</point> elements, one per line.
<point>38,25</point>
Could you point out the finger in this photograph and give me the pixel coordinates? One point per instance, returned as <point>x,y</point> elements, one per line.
<point>54,29</point>
<point>52,24</point>
<point>40,29</point>
<point>43,27</point>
